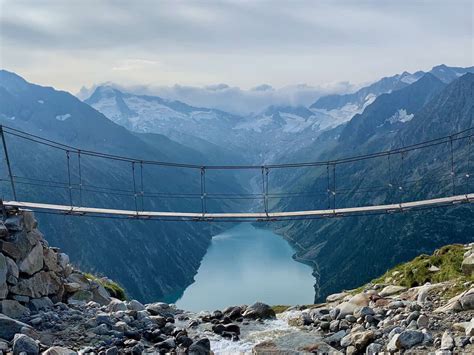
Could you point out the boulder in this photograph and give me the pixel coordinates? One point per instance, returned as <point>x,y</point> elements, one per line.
<point>336,297</point>
<point>12,268</point>
<point>40,284</point>
<point>336,338</point>
<point>23,344</point>
<point>3,290</point>
<point>9,327</point>
<point>29,220</point>
<point>391,290</point>
<point>467,265</point>
<point>3,269</point>
<point>467,300</point>
<point>40,304</point>
<point>361,339</point>
<point>80,297</point>
<point>116,305</point>
<point>14,223</point>
<point>373,349</point>
<point>14,309</point>
<point>134,305</point>
<point>409,338</point>
<point>259,310</point>
<point>200,347</point>
<point>100,294</point>
<point>33,261</point>
<point>50,259</point>
<point>3,231</point>
<point>447,341</point>
<point>58,350</point>
<point>71,287</point>
<point>156,308</point>
<point>63,260</point>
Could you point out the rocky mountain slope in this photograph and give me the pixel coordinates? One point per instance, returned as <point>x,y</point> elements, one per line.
<point>346,106</point>
<point>422,306</point>
<point>341,246</point>
<point>175,247</point>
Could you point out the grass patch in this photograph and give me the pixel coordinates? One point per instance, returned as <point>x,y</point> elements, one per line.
<point>113,288</point>
<point>280,308</point>
<point>416,272</point>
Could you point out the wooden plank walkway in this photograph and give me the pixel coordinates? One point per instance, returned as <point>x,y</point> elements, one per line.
<point>467,198</point>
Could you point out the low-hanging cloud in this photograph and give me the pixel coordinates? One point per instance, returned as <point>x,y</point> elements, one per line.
<point>234,99</point>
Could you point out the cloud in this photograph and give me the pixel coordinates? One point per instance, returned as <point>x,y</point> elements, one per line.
<point>234,99</point>
<point>73,43</point>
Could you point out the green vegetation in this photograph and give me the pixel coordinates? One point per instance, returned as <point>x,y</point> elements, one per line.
<point>114,289</point>
<point>280,308</point>
<point>424,268</point>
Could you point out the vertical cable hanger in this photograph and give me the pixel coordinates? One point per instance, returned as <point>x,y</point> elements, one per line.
<point>452,165</point>
<point>267,171</point>
<point>402,174</point>
<point>328,186</point>
<point>468,169</point>
<point>390,185</point>
<point>69,177</point>
<point>264,195</point>
<point>142,192</point>
<point>80,176</point>
<point>334,185</point>
<point>203,191</point>
<point>135,196</point>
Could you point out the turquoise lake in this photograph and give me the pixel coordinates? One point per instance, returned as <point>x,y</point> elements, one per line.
<point>247,264</point>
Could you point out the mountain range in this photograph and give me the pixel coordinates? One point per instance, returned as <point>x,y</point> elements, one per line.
<point>392,112</point>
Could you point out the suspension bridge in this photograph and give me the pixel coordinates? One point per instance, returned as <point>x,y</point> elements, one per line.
<point>452,170</point>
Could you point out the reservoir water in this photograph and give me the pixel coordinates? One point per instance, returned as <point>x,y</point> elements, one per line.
<point>247,264</point>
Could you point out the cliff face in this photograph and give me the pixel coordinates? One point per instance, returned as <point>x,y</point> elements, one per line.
<point>33,275</point>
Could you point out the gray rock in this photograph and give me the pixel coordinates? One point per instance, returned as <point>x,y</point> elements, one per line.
<point>392,344</point>
<point>41,284</point>
<point>33,261</point>
<point>364,311</point>
<point>24,344</point>
<point>14,223</point>
<point>101,329</point>
<point>12,268</point>
<point>9,327</point>
<point>259,310</point>
<point>58,350</point>
<point>422,321</point>
<point>3,231</point>
<point>63,260</point>
<point>80,297</point>
<point>391,290</point>
<point>336,338</point>
<point>50,259</point>
<point>112,351</point>
<point>134,305</point>
<point>116,305</point>
<point>373,349</point>
<point>467,300</point>
<point>29,220</point>
<point>409,338</point>
<point>40,304</point>
<point>3,269</point>
<point>200,347</point>
<point>14,309</point>
<point>447,341</point>
<point>3,290</point>
<point>100,294</point>
<point>467,265</point>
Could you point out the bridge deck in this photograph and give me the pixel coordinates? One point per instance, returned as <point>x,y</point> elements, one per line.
<point>467,198</point>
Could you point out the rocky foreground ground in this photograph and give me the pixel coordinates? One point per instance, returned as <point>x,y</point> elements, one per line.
<point>48,307</point>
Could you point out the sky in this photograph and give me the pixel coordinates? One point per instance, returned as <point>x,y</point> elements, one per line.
<point>321,46</point>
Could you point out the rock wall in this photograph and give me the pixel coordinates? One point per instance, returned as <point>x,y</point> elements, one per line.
<point>33,275</point>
